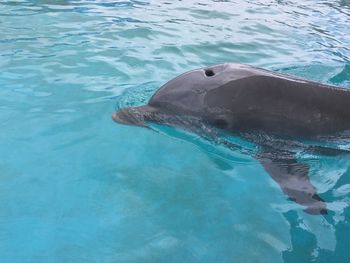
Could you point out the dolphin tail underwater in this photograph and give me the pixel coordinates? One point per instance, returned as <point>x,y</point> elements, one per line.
<point>239,98</point>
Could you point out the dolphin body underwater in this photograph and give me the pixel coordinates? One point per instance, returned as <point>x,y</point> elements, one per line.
<point>252,102</point>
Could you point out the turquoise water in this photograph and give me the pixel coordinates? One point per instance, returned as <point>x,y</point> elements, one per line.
<point>77,187</point>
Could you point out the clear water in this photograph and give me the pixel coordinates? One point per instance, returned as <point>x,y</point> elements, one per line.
<point>77,187</point>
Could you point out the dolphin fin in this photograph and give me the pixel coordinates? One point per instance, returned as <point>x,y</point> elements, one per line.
<point>293,179</point>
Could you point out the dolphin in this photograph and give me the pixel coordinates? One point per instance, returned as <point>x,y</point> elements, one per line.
<point>249,101</point>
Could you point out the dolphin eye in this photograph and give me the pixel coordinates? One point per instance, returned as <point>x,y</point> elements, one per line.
<point>220,123</point>
<point>209,72</point>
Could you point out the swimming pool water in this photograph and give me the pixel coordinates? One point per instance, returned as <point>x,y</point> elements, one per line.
<point>77,187</point>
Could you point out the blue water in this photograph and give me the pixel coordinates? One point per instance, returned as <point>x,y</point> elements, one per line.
<point>77,187</point>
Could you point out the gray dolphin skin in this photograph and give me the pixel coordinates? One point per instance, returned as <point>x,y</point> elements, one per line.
<point>243,99</point>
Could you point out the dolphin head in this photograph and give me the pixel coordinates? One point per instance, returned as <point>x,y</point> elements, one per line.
<point>184,95</point>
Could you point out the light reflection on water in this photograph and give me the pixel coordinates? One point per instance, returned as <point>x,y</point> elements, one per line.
<point>74,186</point>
